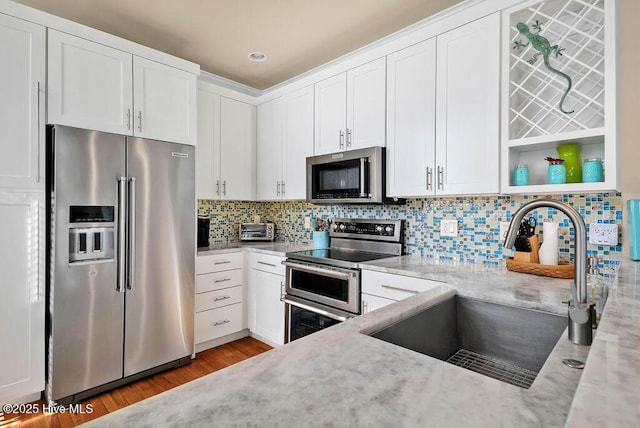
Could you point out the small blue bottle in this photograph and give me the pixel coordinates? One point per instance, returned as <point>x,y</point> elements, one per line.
<point>592,171</point>
<point>521,175</point>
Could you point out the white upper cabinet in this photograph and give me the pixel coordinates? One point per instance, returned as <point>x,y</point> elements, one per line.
<point>90,85</point>
<point>411,116</point>
<point>22,85</point>
<point>350,109</point>
<point>94,86</point>
<point>297,112</point>
<point>468,109</point>
<point>237,150</point>
<point>225,158</point>
<point>164,102</point>
<point>285,140</point>
<point>269,151</point>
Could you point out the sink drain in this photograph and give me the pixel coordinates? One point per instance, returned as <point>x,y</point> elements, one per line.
<point>493,368</point>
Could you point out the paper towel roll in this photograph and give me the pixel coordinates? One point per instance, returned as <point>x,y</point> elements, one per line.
<point>549,249</point>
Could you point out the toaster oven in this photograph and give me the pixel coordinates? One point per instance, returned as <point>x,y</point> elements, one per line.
<point>257,231</point>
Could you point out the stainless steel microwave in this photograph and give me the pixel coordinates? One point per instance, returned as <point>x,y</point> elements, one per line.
<point>354,176</point>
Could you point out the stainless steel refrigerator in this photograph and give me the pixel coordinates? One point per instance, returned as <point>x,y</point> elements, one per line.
<point>121,221</point>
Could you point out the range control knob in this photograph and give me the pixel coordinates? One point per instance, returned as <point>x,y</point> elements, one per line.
<point>378,228</point>
<point>389,229</point>
<point>342,226</point>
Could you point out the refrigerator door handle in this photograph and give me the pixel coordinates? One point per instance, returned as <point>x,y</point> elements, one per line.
<point>131,247</point>
<point>122,235</point>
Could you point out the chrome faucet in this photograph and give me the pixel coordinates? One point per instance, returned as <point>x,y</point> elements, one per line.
<point>580,312</point>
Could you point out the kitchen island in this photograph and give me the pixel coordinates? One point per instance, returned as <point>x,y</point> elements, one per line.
<point>342,377</point>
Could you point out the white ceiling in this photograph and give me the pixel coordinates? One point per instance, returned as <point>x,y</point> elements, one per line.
<point>296,35</point>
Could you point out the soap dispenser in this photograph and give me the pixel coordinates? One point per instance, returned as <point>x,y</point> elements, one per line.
<point>599,291</point>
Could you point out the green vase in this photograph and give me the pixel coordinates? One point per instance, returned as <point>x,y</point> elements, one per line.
<point>570,152</point>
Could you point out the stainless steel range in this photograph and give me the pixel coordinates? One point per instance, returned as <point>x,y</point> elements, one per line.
<point>323,285</point>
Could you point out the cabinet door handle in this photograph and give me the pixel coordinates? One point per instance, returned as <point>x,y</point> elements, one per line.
<point>391,287</point>
<point>217,299</point>
<point>218,281</point>
<point>140,120</point>
<point>349,137</point>
<point>38,133</point>
<point>281,291</point>
<point>277,188</point>
<point>429,178</point>
<point>218,187</point>
<point>341,144</point>
<point>224,187</point>
<point>440,178</point>
<point>128,119</point>
<point>283,189</point>
<point>224,262</point>
<point>364,307</point>
<point>217,323</point>
<point>267,264</point>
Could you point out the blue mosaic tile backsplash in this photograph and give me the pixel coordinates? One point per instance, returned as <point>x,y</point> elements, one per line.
<point>479,218</point>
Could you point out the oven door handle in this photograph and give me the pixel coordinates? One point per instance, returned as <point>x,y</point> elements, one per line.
<point>323,271</point>
<point>314,310</point>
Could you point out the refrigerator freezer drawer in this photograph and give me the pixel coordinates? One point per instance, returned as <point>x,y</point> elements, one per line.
<point>218,298</point>
<point>218,322</point>
<point>219,262</point>
<point>218,280</point>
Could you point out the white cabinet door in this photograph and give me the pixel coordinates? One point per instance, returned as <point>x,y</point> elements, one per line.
<point>164,102</point>
<point>22,85</point>
<point>330,114</point>
<point>467,105</point>
<point>366,105</point>
<point>269,151</point>
<point>266,311</point>
<point>237,151</point>
<point>411,116</point>
<point>208,146</point>
<point>89,85</point>
<point>297,112</point>
<point>23,295</point>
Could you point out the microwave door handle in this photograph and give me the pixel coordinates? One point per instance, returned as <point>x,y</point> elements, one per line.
<point>314,310</point>
<point>363,190</point>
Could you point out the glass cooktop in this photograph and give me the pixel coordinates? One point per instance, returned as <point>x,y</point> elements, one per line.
<point>341,254</point>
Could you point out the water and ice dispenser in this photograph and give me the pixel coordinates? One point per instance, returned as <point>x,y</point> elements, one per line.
<point>91,233</point>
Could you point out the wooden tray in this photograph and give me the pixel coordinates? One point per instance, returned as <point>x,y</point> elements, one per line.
<point>562,270</point>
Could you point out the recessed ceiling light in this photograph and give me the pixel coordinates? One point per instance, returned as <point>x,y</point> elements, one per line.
<point>257,57</point>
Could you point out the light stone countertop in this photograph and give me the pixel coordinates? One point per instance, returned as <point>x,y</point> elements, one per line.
<point>274,248</point>
<point>342,377</point>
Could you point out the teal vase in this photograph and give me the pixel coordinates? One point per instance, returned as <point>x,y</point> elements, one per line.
<point>570,152</point>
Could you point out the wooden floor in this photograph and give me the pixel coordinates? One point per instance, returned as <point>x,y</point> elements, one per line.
<point>205,362</point>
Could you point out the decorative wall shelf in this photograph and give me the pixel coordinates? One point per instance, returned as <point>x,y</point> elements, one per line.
<point>533,123</point>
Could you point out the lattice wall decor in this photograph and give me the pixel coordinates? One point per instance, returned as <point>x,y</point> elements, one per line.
<point>535,92</point>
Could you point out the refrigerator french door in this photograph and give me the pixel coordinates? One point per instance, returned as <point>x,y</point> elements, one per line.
<point>121,277</point>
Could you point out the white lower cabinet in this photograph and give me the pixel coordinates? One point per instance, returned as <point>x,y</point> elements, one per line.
<point>265,309</point>
<point>380,289</point>
<point>219,303</point>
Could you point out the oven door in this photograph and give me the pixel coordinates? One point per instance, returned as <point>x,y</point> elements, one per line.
<point>303,318</point>
<point>330,286</point>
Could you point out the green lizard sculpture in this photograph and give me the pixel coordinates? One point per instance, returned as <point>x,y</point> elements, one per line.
<point>545,49</point>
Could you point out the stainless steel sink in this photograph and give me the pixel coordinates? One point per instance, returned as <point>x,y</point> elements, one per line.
<point>504,342</point>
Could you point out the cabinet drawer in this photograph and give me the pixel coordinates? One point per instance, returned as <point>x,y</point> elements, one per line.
<point>218,262</point>
<point>218,280</point>
<point>218,322</point>
<point>218,298</point>
<point>395,287</point>
<point>267,263</point>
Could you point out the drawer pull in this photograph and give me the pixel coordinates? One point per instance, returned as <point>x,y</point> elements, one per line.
<point>218,281</point>
<point>391,287</point>
<point>224,262</point>
<point>267,264</point>
<point>217,299</point>
<point>217,323</point>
